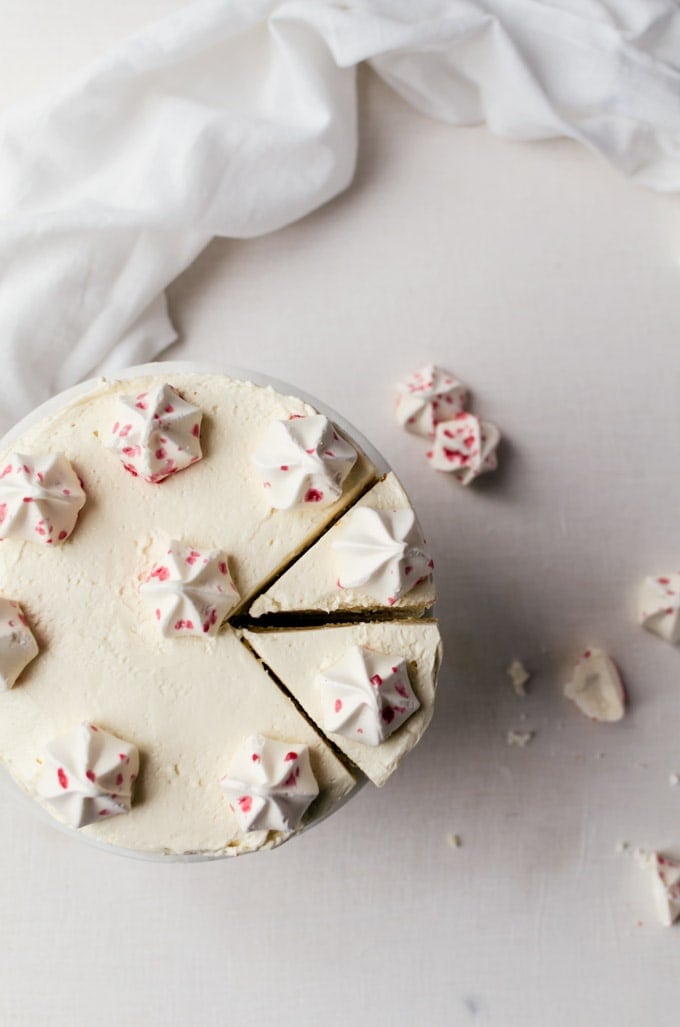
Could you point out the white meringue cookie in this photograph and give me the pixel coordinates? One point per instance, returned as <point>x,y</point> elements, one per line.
<point>659,606</point>
<point>596,687</point>
<point>270,784</point>
<point>190,591</point>
<point>382,552</point>
<point>366,695</point>
<point>88,774</point>
<point>465,447</point>
<point>156,433</point>
<point>303,460</point>
<point>17,644</point>
<point>40,498</point>
<point>427,397</point>
<point>666,885</point>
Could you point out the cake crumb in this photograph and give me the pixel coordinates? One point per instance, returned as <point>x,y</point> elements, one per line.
<point>519,738</point>
<point>596,687</point>
<point>455,841</point>
<point>519,676</point>
<point>673,780</point>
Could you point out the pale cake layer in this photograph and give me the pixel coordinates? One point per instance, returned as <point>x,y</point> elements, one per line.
<point>310,585</point>
<point>297,655</point>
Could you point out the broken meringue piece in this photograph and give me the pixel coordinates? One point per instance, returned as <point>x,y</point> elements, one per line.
<point>366,695</point>
<point>303,460</point>
<point>427,397</point>
<point>381,552</point>
<point>190,591</point>
<point>465,447</point>
<point>88,774</point>
<point>17,644</point>
<point>270,784</point>
<point>40,498</point>
<point>659,606</point>
<point>666,886</point>
<point>596,687</point>
<point>156,433</point>
<point>519,676</point>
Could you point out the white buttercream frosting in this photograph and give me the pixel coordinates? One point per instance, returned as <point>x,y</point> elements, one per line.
<point>156,433</point>
<point>465,447</point>
<point>189,590</point>
<point>40,498</point>
<point>382,552</point>
<point>303,460</point>
<point>270,784</point>
<point>17,644</point>
<point>366,695</point>
<point>596,687</point>
<point>659,606</point>
<point>427,397</point>
<point>666,885</point>
<point>88,775</point>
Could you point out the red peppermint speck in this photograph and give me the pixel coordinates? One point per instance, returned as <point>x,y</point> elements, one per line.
<point>188,625</point>
<point>429,454</point>
<point>63,535</point>
<point>338,705</point>
<point>245,803</point>
<point>587,654</point>
<point>93,727</point>
<point>89,774</point>
<point>140,404</point>
<point>401,689</point>
<point>125,431</point>
<point>392,600</point>
<point>290,781</point>
<point>284,467</point>
<point>290,756</point>
<point>123,758</point>
<point>313,496</point>
<point>66,492</point>
<point>6,471</point>
<point>158,614</point>
<point>193,556</point>
<point>162,573</point>
<point>104,812</point>
<point>295,417</point>
<point>63,779</point>
<point>160,454</point>
<point>3,511</point>
<point>664,581</point>
<point>376,680</point>
<point>196,430</point>
<point>28,499</point>
<point>223,567</point>
<point>119,780</point>
<point>388,714</point>
<point>255,757</point>
<point>169,409</point>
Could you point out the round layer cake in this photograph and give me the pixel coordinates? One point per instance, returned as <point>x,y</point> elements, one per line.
<point>212,613</point>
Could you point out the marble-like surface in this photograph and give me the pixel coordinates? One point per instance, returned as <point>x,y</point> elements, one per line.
<point>549,285</point>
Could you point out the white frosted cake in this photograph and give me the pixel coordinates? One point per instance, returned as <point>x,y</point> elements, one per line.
<point>147,525</point>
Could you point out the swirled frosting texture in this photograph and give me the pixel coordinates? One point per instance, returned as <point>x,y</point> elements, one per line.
<point>659,606</point>
<point>303,460</point>
<point>270,784</point>
<point>189,590</point>
<point>381,552</point>
<point>17,644</point>
<point>465,447</point>
<point>40,498</point>
<point>88,775</point>
<point>427,397</point>
<point>156,433</point>
<point>366,695</point>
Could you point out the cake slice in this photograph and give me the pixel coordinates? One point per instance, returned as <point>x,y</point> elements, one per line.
<point>373,559</point>
<point>307,661</point>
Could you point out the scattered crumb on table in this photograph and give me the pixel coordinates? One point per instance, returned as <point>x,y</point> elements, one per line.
<point>519,676</point>
<point>519,738</point>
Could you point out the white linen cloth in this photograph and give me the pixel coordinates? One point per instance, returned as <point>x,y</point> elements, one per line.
<point>235,117</point>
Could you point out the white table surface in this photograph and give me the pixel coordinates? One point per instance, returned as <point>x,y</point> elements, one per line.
<point>552,287</point>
